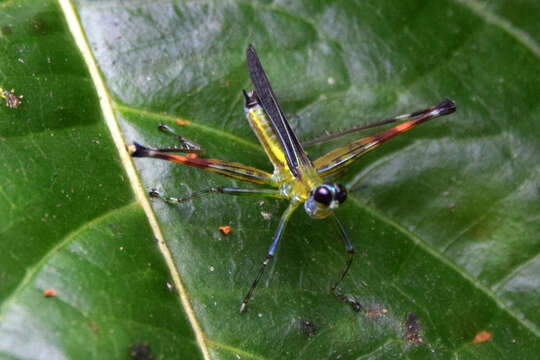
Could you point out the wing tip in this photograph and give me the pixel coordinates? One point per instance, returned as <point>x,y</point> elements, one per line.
<point>447,106</point>
<point>250,49</point>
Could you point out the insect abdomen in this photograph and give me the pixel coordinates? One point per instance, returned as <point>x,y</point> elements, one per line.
<point>266,135</point>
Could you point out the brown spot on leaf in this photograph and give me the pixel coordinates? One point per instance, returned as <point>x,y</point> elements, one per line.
<point>93,326</point>
<point>6,30</point>
<point>412,329</point>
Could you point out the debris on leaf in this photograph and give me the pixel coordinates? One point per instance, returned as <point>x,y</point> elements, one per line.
<point>308,328</point>
<point>182,122</point>
<point>225,229</point>
<point>13,101</point>
<point>376,311</point>
<point>49,293</point>
<point>140,352</point>
<point>266,215</point>
<point>483,336</point>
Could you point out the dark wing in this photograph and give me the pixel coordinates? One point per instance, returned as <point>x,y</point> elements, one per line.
<point>295,155</point>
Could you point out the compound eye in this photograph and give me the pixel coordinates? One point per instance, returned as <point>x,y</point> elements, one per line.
<point>323,195</point>
<point>341,195</point>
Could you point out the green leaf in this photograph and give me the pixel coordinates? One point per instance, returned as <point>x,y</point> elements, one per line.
<point>70,224</point>
<point>444,219</point>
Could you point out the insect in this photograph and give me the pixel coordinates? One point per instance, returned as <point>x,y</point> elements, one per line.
<point>296,177</point>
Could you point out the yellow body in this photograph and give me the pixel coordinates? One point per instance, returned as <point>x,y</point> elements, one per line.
<point>290,187</point>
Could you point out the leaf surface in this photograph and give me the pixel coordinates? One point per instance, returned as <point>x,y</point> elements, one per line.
<point>444,219</point>
<point>80,274</point>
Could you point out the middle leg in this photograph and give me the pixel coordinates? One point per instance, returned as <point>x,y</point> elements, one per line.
<point>271,251</point>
